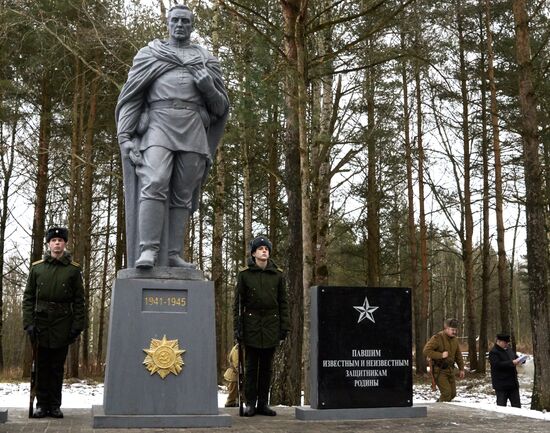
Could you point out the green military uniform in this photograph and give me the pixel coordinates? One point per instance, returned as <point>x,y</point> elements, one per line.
<point>53,303</point>
<point>444,368</point>
<point>261,320</point>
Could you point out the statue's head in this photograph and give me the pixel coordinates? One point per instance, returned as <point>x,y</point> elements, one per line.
<point>180,22</point>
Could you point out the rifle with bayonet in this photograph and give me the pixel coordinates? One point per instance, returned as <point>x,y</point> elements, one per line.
<point>34,374</point>
<point>240,366</point>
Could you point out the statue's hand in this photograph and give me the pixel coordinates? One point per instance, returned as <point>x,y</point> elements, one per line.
<point>129,149</point>
<point>203,80</point>
<point>127,146</point>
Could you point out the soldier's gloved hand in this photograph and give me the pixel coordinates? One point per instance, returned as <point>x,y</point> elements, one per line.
<point>32,332</point>
<point>73,335</point>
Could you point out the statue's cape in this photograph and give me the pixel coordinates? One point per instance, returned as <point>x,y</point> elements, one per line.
<point>150,63</point>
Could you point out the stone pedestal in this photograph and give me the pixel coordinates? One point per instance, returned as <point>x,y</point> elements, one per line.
<point>159,327</point>
<point>360,353</point>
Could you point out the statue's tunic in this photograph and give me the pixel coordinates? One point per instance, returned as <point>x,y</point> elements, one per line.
<point>173,128</point>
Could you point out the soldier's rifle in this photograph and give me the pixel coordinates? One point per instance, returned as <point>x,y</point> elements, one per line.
<point>34,374</point>
<point>34,361</point>
<point>431,365</point>
<point>240,366</point>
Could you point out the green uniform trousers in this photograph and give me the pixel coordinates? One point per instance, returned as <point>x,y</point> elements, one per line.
<point>446,382</point>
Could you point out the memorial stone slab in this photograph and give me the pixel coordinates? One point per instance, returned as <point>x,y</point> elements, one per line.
<point>361,353</point>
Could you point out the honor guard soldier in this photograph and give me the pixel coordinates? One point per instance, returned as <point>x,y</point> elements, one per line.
<point>53,316</point>
<point>261,321</point>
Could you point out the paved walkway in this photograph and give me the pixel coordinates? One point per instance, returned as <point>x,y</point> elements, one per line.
<point>441,418</point>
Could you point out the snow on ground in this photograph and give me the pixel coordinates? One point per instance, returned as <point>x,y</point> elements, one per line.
<point>473,392</point>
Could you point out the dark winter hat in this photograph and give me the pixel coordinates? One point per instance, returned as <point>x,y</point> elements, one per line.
<point>503,337</point>
<point>57,232</point>
<point>258,242</point>
<point>451,323</point>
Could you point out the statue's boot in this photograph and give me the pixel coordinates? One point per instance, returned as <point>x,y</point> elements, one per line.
<point>151,217</point>
<point>178,222</point>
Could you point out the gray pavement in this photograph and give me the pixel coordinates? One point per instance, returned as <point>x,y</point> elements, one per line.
<point>441,418</point>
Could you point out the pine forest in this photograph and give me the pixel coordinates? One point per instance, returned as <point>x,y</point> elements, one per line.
<point>374,142</point>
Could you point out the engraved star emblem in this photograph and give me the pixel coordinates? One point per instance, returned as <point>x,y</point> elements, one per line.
<point>164,357</point>
<point>365,311</point>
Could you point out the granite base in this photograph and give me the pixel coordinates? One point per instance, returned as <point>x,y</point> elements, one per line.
<point>306,413</point>
<point>101,420</point>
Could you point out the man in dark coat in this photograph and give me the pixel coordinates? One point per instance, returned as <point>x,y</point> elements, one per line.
<point>170,116</point>
<point>504,375</point>
<point>261,321</point>
<point>54,316</point>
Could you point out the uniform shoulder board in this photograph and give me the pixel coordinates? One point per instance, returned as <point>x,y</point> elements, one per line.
<point>280,269</point>
<point>243,268</point>
<point>75,264</point>
<point>37,262</point>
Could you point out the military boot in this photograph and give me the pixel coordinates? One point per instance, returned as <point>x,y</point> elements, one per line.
<point>178,222</point>
<point>151,217</point>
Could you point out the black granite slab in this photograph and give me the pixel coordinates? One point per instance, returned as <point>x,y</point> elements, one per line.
<point>361,347</point>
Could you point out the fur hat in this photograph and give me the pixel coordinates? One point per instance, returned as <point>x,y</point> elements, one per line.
<point>503,337</point>
<point>259,241</point>
<point>57,232</point>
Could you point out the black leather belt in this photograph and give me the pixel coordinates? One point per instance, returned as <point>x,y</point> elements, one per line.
<point>178,104</point>
<point>54,305</point>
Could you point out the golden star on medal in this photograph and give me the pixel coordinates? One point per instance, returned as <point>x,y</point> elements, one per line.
<point>164,357</point>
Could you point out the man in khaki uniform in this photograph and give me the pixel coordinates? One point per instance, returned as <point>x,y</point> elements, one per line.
<point>231,375</point>
<point>443,349</point>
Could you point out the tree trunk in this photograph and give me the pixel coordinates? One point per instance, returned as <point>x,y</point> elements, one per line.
<point>424,277</point>
<point>373,204</point>
<point>467,252</point>
<point>104,289</point>
<point>288,374</point>
<point>537,242</point>
<point>7,158</point>
<point>42,181</point>
<point>76,166</point>
<point>326,103</point>
<point>305,183</point>
<point>485,245</point>
<point>273,187</point>
<point>503,284</point>
<point>218,205</point>
<point>420,360</point>
<point>217,257</point>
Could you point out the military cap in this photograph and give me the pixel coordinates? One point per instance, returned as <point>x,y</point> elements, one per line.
<point>260,241</point>
<point>57,232</point>
<point>451,323</point>
<point>503,337</point>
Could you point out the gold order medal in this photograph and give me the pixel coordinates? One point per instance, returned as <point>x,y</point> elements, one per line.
<point>164,357</point>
